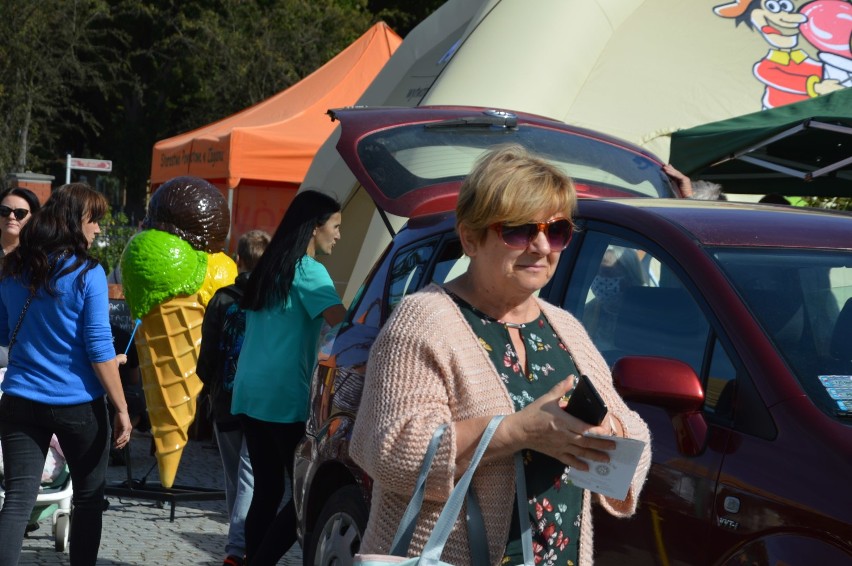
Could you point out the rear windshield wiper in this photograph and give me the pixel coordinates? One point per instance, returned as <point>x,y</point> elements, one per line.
<point>500,120</point>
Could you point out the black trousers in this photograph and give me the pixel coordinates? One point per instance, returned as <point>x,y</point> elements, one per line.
<point>269,532</point>
<point>84,434</point>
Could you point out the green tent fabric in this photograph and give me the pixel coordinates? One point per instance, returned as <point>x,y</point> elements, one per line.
<point>785,150</point>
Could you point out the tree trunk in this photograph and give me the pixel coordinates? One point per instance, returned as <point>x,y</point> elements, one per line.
<point>25,128</point>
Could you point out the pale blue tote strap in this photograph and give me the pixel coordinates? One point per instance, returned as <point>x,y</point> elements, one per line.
<point>402,540</point>
<point>431,555</point>
<point>441,532</point>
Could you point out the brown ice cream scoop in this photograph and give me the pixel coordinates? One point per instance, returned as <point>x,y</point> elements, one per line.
<point>193,210</point>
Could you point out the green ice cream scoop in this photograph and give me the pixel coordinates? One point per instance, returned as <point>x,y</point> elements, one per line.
<point>157,266</point>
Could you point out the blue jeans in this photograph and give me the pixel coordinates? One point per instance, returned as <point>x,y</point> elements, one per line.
<point>84,433</point>
<point>239,485</point>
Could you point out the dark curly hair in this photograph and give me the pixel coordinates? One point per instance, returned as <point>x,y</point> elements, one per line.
<point>56,231</point>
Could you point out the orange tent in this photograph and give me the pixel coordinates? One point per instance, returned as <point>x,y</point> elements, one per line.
<point>259,156</point>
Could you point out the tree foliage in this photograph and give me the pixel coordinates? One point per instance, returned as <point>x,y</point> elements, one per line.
<point>109,78</point>
<point>832,203</point>
<point>195,62</point>
<point>403,15</point>
<point>110,243</point>
<point>53,51</point>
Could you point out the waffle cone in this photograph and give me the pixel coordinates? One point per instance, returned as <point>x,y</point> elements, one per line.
<point>168,341</point>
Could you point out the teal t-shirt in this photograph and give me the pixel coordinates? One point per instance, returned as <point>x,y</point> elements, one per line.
<point>280,349</point>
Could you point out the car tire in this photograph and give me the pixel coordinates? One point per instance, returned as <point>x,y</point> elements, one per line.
<point>337,536</point>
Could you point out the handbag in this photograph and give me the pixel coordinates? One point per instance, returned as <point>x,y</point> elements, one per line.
<point>431,555</point>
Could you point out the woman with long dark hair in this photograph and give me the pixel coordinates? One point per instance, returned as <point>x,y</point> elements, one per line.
<point>288,297</point>
<point>54,315</point>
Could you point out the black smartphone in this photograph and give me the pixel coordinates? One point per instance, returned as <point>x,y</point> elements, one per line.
<point>586,403</point>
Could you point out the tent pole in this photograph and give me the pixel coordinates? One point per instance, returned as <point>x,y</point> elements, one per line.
<point>775,167</point>
<point>832,167</point>
<point>233,217</point>
<point>831,127</point>
<point>781,136</point>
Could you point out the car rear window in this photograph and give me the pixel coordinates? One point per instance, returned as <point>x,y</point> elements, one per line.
<point>403,159</point>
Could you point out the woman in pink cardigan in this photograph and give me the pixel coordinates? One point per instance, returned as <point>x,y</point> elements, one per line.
<point>484,344</point>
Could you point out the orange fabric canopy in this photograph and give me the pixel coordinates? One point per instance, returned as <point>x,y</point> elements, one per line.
<point>276,139</point>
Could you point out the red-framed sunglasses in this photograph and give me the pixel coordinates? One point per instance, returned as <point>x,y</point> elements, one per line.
<point>557,231</point>
<point>20,213</point>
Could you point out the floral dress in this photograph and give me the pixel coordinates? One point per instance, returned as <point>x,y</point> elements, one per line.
<point>555,504</point>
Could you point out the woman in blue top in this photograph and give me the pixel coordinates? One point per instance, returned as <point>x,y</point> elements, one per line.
<point>288,297</point>
<point>17,206</point>
<point>54,314</point>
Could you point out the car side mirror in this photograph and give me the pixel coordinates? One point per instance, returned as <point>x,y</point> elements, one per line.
<point>671,385</point>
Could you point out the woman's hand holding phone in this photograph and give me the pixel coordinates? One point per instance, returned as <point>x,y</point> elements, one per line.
<point>586,403</point>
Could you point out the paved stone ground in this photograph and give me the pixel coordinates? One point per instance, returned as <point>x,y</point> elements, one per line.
<point>138,532</point>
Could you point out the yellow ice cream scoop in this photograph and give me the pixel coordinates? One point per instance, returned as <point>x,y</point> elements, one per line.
<point>221,272</point>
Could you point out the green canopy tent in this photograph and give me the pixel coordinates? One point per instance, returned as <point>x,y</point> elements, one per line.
<point>801,149</point>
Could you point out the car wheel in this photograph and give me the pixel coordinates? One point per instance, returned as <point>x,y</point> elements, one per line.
<point>337,536</point>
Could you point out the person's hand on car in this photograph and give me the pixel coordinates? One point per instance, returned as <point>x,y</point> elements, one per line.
<point>683,182</point>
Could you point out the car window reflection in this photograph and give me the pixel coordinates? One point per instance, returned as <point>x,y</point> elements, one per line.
<point>407,271</point>
<point>634,305</point>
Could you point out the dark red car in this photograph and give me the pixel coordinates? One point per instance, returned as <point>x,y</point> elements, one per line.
<point>729,328</point>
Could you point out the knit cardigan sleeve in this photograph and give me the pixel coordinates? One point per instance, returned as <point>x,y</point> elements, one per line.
<point>425,369</point>
<point>591,362</point>
<point>404,400</point>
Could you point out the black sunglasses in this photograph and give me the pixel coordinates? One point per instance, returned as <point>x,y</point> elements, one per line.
<point>20,213</point>
<point>557,231</point>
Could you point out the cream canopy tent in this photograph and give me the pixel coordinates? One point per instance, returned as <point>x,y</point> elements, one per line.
<point>636,69</point>
<point>260,155</point>
<point>402,82</point>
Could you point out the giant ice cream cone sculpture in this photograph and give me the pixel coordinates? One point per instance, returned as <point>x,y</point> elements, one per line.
<point>170,271</point>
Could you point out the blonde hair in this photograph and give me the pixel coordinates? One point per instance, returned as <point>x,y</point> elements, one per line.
<point>512,185</point>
